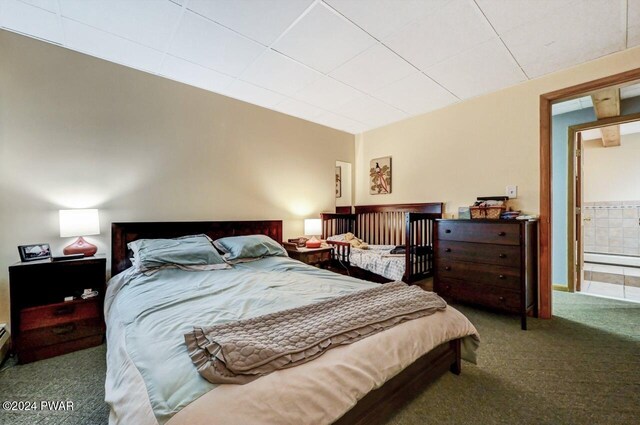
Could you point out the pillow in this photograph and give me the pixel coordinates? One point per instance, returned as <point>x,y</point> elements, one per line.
<point>239,249</point>
<point>338,238</point>
<point>195,251</point>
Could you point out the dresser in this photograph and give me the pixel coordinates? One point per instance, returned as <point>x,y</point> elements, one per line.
<point>43,324</point>
<point>491,263</point>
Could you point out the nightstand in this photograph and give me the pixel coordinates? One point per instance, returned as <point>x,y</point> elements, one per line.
<point>319,257</point>
<point>43,324</point>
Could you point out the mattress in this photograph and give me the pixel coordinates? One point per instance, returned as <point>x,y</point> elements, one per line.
<point>150,377</point>
<point>377,259</point>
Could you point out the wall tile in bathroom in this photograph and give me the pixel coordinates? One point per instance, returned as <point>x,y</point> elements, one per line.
<point>615,232</point>
<point>616,213</point>
<point>602,213</point>
<point>615,242</point>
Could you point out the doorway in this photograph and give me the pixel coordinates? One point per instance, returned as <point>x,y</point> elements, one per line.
<point>606,194</point>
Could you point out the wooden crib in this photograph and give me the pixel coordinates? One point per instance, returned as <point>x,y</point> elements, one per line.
<point>407,225</point>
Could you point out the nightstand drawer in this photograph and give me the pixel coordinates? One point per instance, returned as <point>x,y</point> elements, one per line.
<point>318,257</point>
<point>60,313</point>
<point>503,255</point>
<point>61,333</point>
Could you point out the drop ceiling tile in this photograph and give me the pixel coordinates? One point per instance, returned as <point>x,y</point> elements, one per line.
<point>327,93</point>
<point>195,75</point>
<point>452,29</point>
<point>148,22</point>
<point>206,43</point>
<point>484,68</point>
<point>507,15</point>
<point>382,18</point>
<point>262,20</point>
<point>49,5</point>
<point>577,33</point>
<point>276,72</point>
<point>253,94</point>
<point>372,69</point>
<point>633,36</point>
<point>339,122</point>
<point>94,42</point>
<point>415,94</point>
<point>33,21</point>
<point>370,111</point>
<point>298,109</point>
<point>323,40</point>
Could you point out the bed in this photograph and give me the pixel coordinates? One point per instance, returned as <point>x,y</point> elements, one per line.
<point>385,227</point>
<point>150,379</point>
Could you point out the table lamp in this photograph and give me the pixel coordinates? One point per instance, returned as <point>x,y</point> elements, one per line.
<point>313,228</point>
<point>84,222</point>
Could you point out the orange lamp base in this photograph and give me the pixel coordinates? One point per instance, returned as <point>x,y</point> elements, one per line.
<point>313,243</point>
<point>80,246</point>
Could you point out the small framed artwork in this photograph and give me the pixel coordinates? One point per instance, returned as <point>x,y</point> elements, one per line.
<point>380,176</point>
<point>39,251</point>
<point>338,182</point>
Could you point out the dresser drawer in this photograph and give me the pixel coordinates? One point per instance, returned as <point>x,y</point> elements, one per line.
<point>504,255</point>
<point>470,292</point>
<point>61,333</point>
<point>485,274</point>
<point>57,314</point>
<point>469,231</point>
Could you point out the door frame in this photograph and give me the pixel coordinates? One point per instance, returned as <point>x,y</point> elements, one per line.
<point>546,100</point>
<point>574,228</point>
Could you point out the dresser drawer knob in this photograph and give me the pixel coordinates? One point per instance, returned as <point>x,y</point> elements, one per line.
<point>501,234</point>
<point>501,299</point>
<point>502,255</point>
<point>501,276</point>
<point>447,268</point>
<point>447,231</point>
<point>447,250</point>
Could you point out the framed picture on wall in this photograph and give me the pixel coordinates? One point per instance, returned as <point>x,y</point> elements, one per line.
<point>380,176</point>
<point>39,251</point>
<point>338,182</point>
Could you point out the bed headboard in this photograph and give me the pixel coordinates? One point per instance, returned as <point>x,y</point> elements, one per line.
<point>123,233</point>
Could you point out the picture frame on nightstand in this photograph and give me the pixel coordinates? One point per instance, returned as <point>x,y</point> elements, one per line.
<point>40,251</point>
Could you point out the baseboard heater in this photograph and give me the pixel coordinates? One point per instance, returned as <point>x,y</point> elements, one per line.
<point>4,341</point>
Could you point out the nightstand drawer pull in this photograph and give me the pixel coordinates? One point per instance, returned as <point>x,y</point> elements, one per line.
<point>501,276</point>
<point>64,311</point>
<point>447,268</point>
<point>62,330</point>
<point>447,250</point>
<point>447,231</point>
<point>502,234</point>
<point>502,255</point>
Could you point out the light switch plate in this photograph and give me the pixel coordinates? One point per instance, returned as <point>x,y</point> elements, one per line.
<point>512,191</point>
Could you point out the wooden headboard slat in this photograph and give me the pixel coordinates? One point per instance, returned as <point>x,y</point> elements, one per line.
<point>123,233</point>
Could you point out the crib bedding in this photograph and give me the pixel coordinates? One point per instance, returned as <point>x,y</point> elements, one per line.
<point>151,378</point>
<point>377,259</point>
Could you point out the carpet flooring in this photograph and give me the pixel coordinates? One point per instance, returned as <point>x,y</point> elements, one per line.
<point>581,367</point>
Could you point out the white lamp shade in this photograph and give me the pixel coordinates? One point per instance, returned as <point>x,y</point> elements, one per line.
<point>312,226</point>
<point>79,223</point>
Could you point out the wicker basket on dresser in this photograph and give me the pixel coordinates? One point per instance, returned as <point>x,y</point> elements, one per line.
<point>491,263</point>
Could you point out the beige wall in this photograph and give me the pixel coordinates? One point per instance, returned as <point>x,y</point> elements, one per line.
<point>76,131</point>
<point>612,174</point>
<point>474,148</point>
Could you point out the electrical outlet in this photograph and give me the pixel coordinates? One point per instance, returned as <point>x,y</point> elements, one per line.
<point>512,191</point>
